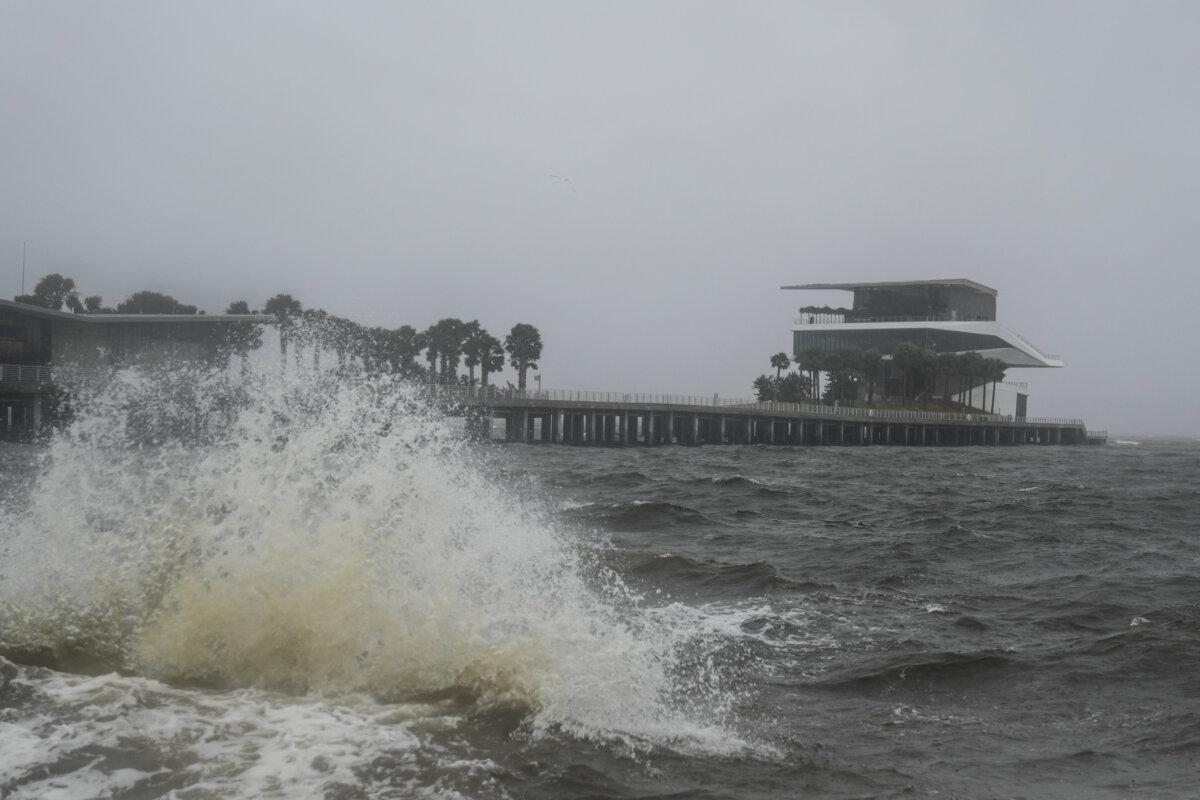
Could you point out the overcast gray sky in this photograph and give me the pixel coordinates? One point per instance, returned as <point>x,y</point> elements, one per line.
<point>390,162</point>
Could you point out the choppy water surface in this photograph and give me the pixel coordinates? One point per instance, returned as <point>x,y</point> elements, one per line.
<point>330,596</point>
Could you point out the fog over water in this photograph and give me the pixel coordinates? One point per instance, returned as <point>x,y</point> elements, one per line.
<point>392,163</point>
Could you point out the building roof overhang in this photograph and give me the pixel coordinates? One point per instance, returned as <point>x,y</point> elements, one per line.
<point>962,283</point>
<point>69,316</point>
<point>1020,352</point>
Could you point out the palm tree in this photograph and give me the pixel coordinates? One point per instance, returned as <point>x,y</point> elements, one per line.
<point>404,345</point>
<point>454,331</point>
<point>973,364</point>
<point>872,366</point>
<point>996,368</point>
<point>524,346</point>
<point>431,338</point>
<point>315,330</point>
<point>813,361</point>
<point>286,309</point>
<point>474,340</point>
<point>780,362</point>
<point>341,333</point>
<point>931,365</point>
<point>947,366</point>
<point>491,359</point>
<point>443,342</point>
<point>908,360</point>
<point>381,346</point>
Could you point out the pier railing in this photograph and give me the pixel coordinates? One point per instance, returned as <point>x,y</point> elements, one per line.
<point>483,395</point>
<point>729,405</point>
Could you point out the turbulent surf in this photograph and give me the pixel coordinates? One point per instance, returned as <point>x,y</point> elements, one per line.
<point>296,584</point>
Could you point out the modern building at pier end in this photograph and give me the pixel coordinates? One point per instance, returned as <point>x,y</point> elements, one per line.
<point>952,315</point>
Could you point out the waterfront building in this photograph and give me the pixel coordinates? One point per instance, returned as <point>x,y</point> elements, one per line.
<point>952,315</point>
<point>37,343</point>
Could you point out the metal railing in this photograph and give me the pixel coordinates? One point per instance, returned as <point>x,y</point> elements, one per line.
<point>14,373</point>
<point>21,373</point>
<point>43,373</point>
<point>833,318</point>
<point>1051,356</point>
<point>492,394</point>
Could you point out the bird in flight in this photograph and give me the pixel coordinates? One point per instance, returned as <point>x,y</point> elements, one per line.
<point>565,180</point>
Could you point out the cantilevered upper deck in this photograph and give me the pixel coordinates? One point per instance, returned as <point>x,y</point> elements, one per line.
<point>950,315</point>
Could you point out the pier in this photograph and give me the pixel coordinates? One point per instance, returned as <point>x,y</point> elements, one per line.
<point>622,419</point>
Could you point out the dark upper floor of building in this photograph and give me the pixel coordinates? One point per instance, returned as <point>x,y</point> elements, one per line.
<point>940,299</point>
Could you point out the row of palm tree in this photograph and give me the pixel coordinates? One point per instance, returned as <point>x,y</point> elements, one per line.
<point>447,344</point>
<point>922,370</point>
<point>913,375</point>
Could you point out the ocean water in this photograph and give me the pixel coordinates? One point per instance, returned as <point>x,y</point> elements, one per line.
<point>223,587</point>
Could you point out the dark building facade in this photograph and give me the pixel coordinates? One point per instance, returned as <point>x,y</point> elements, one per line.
<point>38,343</point>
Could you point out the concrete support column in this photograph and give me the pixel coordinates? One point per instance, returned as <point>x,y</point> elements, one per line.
<point>670,430</point>
<point>749,430</point>
<point>721,433</point>
<point>650,432</point>
<point>695,429</point>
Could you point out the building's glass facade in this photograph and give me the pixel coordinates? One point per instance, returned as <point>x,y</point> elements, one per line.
<point>886,341</point>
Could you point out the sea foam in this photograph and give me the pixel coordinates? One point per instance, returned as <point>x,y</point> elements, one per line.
<point>328,536</point>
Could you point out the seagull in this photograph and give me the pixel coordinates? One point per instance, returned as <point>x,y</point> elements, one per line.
<point>565,180</point>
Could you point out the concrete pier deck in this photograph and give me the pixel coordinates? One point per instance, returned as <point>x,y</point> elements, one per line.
<point>605,418</point>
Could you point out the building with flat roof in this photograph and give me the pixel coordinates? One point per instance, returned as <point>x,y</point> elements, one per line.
<point>952,315</point>
<point>37,343</point>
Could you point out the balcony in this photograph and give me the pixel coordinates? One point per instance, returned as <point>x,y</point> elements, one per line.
<point>852,319</point>
<point>30,374</point>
